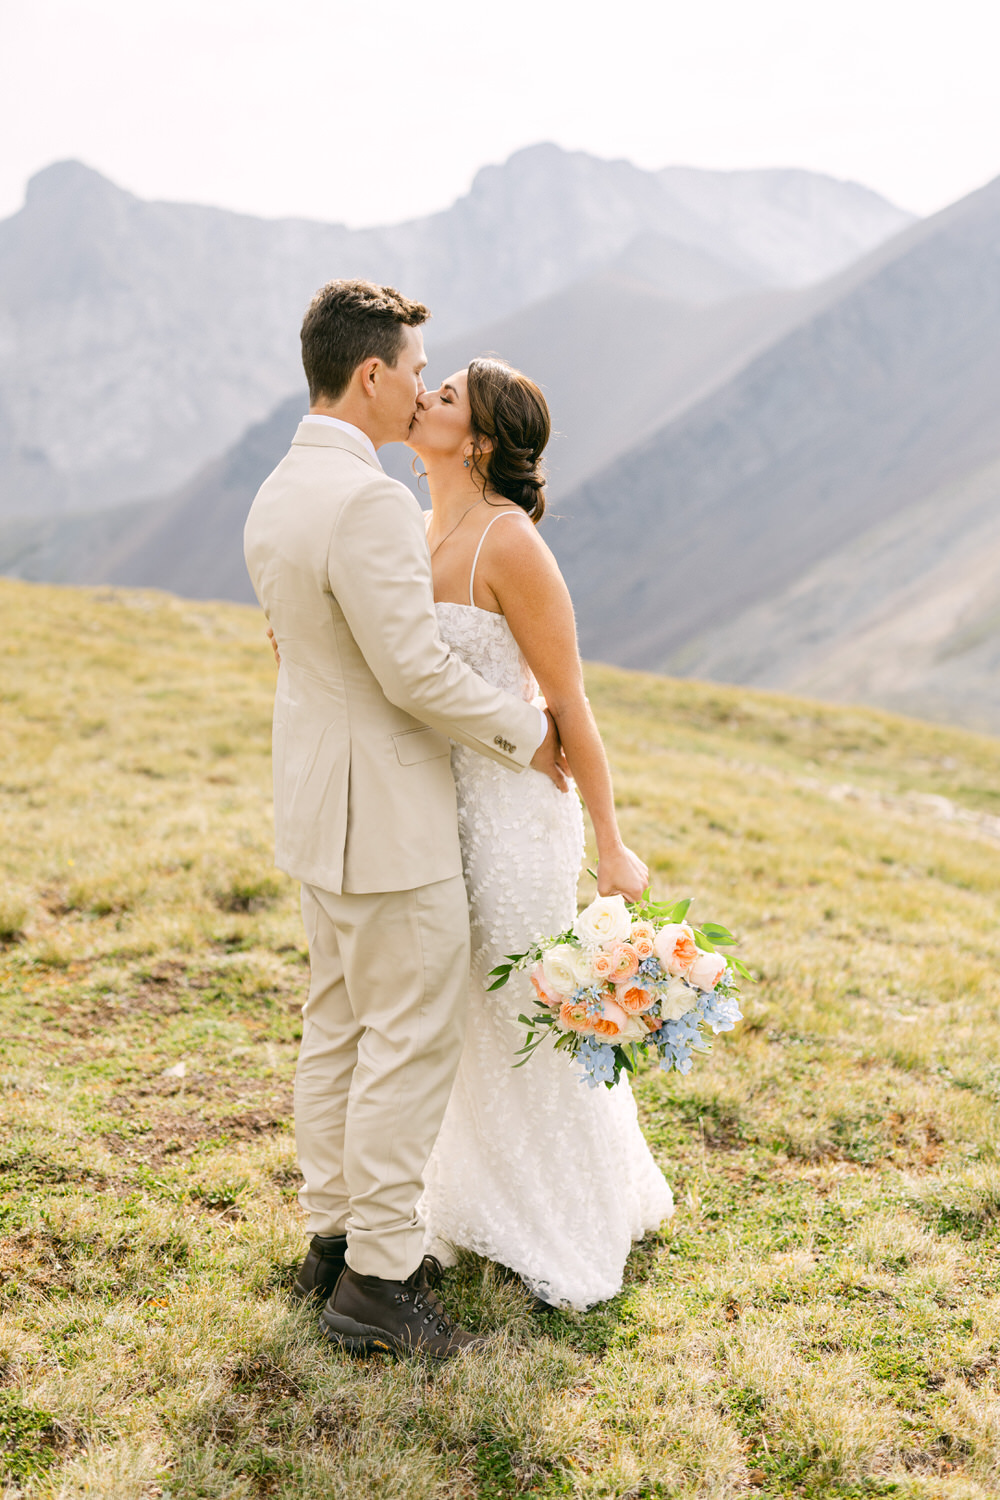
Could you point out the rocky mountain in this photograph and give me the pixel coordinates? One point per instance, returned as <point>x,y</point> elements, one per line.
<point>906,616</point>
<point>829,519</point>
<point>190,542</point>
<point>614,357</point>
<point>786,219</point>
<point>138,340</point>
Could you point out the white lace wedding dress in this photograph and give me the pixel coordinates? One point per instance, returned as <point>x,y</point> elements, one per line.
<point>532,1168</point>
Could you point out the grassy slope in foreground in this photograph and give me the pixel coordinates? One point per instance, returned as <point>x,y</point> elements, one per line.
<point>821,1317</point>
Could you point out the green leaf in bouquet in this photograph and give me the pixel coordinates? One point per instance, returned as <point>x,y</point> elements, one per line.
<point>740,967</point>
<point>498,984</point>
<point>529,1052</point>
<point>679,910</point>
<point>703,942</point>
<point>719,935</point>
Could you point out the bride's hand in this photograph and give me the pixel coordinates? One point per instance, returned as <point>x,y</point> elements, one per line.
<point>621,873</point>
<point>549,758</point>
<point>274,645</point>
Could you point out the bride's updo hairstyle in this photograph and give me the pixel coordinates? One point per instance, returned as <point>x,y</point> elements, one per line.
<point>511,411</point>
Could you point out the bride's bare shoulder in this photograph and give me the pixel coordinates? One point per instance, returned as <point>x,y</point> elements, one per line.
<point>519,564</point>
<point>516,541</point>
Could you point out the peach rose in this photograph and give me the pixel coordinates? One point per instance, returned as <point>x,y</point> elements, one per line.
<point>643,937</point>
<point>611,1022</point>
<point>633,997</point>
<point>706,971</point>
<point>626,962</point>
<point>676,948</point>
<point>616,1025</point>
<point>573,1016</point>
<point>545,991</point>
<point>603,963</point>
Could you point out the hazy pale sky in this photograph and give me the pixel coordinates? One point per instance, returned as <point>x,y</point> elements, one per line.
<point>381,110</point>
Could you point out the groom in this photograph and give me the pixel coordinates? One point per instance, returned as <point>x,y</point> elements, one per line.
<point>367,697</point>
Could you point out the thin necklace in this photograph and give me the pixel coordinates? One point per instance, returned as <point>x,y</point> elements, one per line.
<point>457,524</point>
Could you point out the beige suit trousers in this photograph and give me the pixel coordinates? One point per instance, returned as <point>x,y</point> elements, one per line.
<point>381,1037</point>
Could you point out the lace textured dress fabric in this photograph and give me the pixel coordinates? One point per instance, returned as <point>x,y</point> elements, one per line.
<point>532,1169</point>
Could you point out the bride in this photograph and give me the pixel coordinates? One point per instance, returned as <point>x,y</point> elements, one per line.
<point>532,1169</point>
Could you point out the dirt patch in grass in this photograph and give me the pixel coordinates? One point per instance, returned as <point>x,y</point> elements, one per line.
<point>41,1261</point>
<point>174,1135</point>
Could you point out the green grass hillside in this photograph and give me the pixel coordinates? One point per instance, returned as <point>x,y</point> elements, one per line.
<point>821,1318</point>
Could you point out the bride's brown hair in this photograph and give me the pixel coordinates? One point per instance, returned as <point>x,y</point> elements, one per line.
<point>511,411</point>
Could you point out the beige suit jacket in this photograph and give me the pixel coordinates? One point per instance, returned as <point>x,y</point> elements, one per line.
<point>367,690</point>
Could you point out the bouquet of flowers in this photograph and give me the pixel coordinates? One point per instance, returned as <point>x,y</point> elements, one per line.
<point>629,979</point>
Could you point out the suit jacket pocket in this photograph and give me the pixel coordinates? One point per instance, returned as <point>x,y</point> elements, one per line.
<point>415,745</point>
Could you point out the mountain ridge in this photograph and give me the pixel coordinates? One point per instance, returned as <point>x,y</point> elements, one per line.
<point>137,340</point>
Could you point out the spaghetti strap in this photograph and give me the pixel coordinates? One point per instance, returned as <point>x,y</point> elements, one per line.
<point>472,575</point>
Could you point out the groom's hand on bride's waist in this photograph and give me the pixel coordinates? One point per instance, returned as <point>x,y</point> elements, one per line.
<point>549,757</point>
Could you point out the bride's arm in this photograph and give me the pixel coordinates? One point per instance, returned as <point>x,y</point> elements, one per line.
<point>525,579</point>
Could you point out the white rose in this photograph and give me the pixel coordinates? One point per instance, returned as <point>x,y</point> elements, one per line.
<point>633,1030</point>
<point>561,967</point>
<point>583,959</point>
<point>605,920</point>
<point>676,999</point>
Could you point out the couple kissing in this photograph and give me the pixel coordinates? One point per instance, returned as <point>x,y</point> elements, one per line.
<point>421,797</point>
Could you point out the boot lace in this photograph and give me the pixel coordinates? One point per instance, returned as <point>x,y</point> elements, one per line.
<point>423,1297</point>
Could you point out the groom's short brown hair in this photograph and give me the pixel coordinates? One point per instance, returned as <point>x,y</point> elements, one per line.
<point>348,322</point>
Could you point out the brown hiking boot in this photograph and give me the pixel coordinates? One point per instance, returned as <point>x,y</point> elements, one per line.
<point>366,1314</point>
<point>320,1271</point>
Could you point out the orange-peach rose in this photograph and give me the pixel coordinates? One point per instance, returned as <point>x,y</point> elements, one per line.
<point>676,948</point>
<point>603,963</point>
<point>642,937</point>
<point>573,1016</point>
<point>545,991</point>
<point>626,962</point>
<point>634,998</point>
<point>612,1022</point>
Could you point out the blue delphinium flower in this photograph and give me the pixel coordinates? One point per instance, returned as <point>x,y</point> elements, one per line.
<point>721,1012</point>
<point>685,1032</point>
<point>675,1055</point>
<point>598,1060</point>
<point>650,968</point>
<point>590,996</point>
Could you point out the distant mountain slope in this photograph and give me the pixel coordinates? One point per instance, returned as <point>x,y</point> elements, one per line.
<point>613,356</point>
<point>138,339</point>
<point>885,395</point>
<point>906,616</point>
<point>784,218</point>
<point>190,543</point>
<point>616,360</point>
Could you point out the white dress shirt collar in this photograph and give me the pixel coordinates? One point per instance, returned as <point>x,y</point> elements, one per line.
<point>348,427</point>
